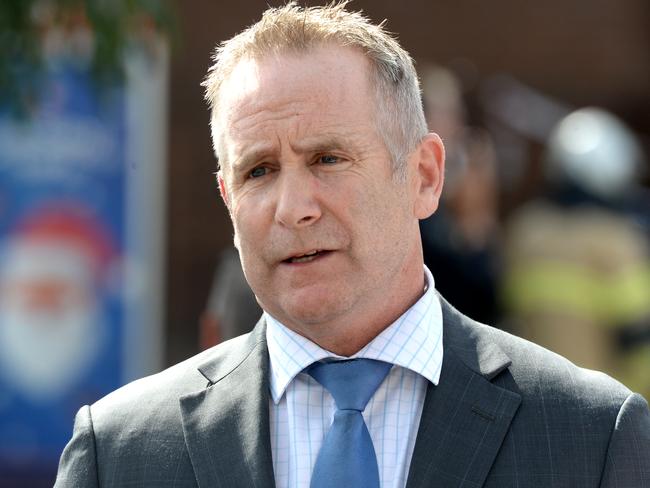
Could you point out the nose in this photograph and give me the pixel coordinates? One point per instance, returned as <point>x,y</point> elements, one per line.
<point>297,199</point>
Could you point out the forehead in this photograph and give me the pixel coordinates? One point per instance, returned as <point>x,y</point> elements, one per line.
<point>332,81</point>
<point>266,74</point>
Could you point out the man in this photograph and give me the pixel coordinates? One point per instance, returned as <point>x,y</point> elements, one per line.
<point>326,169</point>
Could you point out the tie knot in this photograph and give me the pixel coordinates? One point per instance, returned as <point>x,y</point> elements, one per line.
<point>351,382</point>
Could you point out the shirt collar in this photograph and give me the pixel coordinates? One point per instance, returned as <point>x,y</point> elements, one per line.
<point>413,341</point>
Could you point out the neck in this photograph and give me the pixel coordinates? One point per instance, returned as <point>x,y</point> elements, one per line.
<point>346,340</point>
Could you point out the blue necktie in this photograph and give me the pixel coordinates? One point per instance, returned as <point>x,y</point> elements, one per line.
<point>347,457</point>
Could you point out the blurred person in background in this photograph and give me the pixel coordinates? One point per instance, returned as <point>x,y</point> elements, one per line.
<point>461,240</point>
<point>577,276</point>
<point>358,373</point>
<point>231,309</point>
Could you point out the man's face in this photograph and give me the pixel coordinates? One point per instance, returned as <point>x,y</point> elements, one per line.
<point>329,241</point>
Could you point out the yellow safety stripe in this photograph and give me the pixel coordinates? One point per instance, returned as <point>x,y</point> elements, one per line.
<point>608,298</point>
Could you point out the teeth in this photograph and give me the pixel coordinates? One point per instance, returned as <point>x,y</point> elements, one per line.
<point>305,257</point>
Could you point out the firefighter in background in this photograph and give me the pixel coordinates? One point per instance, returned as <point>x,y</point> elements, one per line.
<point>577,276</point>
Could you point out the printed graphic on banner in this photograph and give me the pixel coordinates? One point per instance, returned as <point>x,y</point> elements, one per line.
<point>62,185</point>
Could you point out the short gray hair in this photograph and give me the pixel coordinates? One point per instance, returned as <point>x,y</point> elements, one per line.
<point>400,117</point>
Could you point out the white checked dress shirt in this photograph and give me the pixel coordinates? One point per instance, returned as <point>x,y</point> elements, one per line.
<point>302,410</point>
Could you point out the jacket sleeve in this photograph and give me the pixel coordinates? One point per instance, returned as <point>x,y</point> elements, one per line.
<point>628,454</point>
<point>78,464</point>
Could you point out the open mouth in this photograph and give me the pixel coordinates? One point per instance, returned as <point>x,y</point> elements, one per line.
<point>305,258</point>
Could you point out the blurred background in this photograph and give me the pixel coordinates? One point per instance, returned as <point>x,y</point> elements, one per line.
<point>116,252</point>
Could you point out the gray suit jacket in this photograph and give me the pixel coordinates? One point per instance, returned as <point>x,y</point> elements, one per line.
<point>506,413</point>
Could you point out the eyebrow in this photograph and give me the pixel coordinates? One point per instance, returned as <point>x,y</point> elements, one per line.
<point>313,145</point>
<point>251,156</point>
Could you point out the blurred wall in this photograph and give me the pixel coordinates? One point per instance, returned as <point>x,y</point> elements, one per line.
<point>583,52</point>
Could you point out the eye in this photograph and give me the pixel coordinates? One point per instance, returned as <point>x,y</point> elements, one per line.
<point>257,172</point>
<point>328,159</point>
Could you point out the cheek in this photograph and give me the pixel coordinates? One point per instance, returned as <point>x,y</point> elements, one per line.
<point>377,208</point>
<point>250,228</point>
<point>246,214</point>
<point>242,237</point>
<point>390,220</point>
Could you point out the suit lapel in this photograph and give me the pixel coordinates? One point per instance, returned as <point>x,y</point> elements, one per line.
<point>226,426</point>
<point>466,417</point>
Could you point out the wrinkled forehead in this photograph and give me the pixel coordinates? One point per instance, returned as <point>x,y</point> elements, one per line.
<point>290,77</point>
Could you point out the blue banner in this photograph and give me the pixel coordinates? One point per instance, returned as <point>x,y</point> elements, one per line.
<point>63,176</point>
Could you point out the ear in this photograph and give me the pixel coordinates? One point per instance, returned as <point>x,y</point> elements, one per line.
<point>222,189</point>
<point>429,175</point>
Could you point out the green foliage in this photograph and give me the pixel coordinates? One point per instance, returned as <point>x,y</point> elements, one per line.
<point>112,24</point>
<point>20,53</point>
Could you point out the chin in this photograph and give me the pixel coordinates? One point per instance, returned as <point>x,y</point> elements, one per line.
<point>313,311</point>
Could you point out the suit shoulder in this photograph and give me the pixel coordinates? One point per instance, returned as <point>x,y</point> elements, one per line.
<point>159,390</point>
<point>573,419</point>
<point>538,371</point>
<point>141,423</point>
